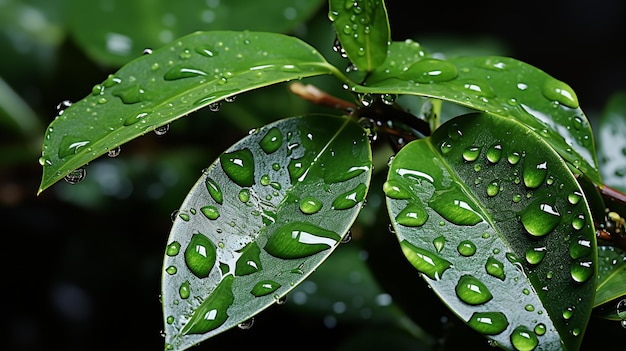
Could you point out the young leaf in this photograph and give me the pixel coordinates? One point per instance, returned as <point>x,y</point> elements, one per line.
<point>263,216</point>
<point>501,86</point>
<point>363,30</point>
<point>153,90</point>
<point>499,228</point>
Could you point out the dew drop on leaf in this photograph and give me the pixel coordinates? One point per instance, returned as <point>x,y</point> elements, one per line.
<point>244,195</point>
<point>300,239</point>
<point>210,212</point>
<point>524,339</point>
<point>249,262</point>
<point>580,248</point>
<point>239,166</point>
<point>272,141</point>
<point>489,323</point>
<point>394,190</point>
<point>200,255</point>
<point>581,270</point>
<point>114,152</point>
<point>540,218</point>
<point>412,215</point>
<point>264,287</point>
<point>439,243</point>
<point>466,248</point>
<point>430,70</point>
<point>350,198</point>
<point>76,176</point>
<point>472,291</point>
<point>212,312</point>
<point>180,72</point>
<point>495,268</point>
<point>555,90</point>
<point>425,261</point>
<point>214,190</point>
<point>534,174</point>
<point>494,153</point>
<point>173,249</point>
<point>535,255</point>
<point>471,153</point>
<point>310,205</point>
<point>184,290</point>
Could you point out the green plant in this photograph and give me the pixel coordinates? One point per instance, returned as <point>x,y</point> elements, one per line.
<point>493,189</point>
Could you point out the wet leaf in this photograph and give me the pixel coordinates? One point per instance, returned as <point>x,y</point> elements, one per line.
<point>113,32</point>
<point>500,239</point>
<point>198,70</point>
<point>259,221</point>
<point>611,275</point>
<point>362,28</point>
<point>612,142</point>
<point>502,86</point>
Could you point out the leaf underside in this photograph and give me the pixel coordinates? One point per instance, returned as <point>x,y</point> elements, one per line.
<point>499,228</point>
<point>261,218</point>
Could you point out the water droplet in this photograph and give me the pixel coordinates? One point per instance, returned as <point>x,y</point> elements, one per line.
<point>466,248</point>
<point>213,311</point>
<point>171,270</point>
<point>395,190</point>
<point>249,262</point>
<point>524,339</point>
<point>439,243</point>
<point>180,72</point>
<point>513,157</point>
<point>540,329</point>
<point>534,174</point>
<point>114,152</point>
<point>430,70</point>
<point>540,218</point>
<point>173,249</point>
<point>247,324</point>
<point>581,271</point>
<point>350,198</point>
<point>265,180</point>
<point>620,309</point>
<point>556,90</point>
<point>264,287</point>
<point>367,99</point>
<point>494,153</point>
<point>489,323</point>
<point>272,140</point>
<point>200,255</point>
<point>472,291</point>
<point>568,312</point>
<point>244,195</point>
<point>495,268</point>
<point>300,239</point>
<point>62,106</point>
<point>131,95</point>
<point>214,190</point>
<point>388,99</point>
<point>578,222</point>
<point>310,205</point>
<point>452,205</point>
<point>210,212</point>
<point>184,291</point>
<point>413,215</point>
<point>574,197</point>
<point>71,146</point>
<point>580,248</point>
<point>161,130</point>
<point>239,166</point>
<point>471,153</point>
<point>493,188</point>
<point>425,261</point>
<point>76,175</point>
<point>535,255</point>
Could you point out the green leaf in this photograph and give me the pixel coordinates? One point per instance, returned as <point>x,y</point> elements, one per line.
<point>153,90</point>
<point>113,32</point>
<point>259,221</point>
<point>611,275</point>
<point>499,228</point>
<point>612,142</point>
<point>502,86</point>
<point>363,30</point>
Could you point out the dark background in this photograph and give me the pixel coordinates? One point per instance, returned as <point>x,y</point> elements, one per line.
<point>86,275</point>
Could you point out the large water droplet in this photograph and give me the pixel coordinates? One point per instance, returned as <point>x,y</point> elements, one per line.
<point>173,249</point>
<point>524,339</point>
<point>239,166</point>
<point>200,255</point>
<point>412,215</point>
<point>489,323</point>
<point>214,190</point>
<point>212,312</point>
<point>71,145</point>
<point>425,261</point>
<point>466,248</point>
<point>430,70</point>
<point>180,72</point>
<point>495,268</point>
<point>578,222</point>
<point>493,188</point>
<point>210,212</point>
<point>310,205</point>
<point>249,262</point>
<point>395,190</point>
<point>453,205</point>
<point>581,271</point>
<point>580,248</point>
<point>472,291</point>
<point>264,287</point>
<point>76,175</point>
<point>439,243</point>
<point>494,153</point>
<point>272,140</point>
<point>540,218</point>
<point>131,95</point>
<point>556,90</point>
<point>350,198</point>
<point>300,239</point>
<point>471,153</point>
<point>534,174</point>
<point>184,291</point>
<point>535,255</point>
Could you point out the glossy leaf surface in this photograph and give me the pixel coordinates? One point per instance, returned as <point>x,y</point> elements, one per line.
<point>362,28</point>
<point>198,70</point>
<point>261,218</point>
<point>113,32</point>
<point>611,275</point>
<point>499,228</point>
<point>501,86</point>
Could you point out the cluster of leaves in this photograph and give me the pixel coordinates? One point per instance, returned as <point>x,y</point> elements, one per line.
<point>494,191</point>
